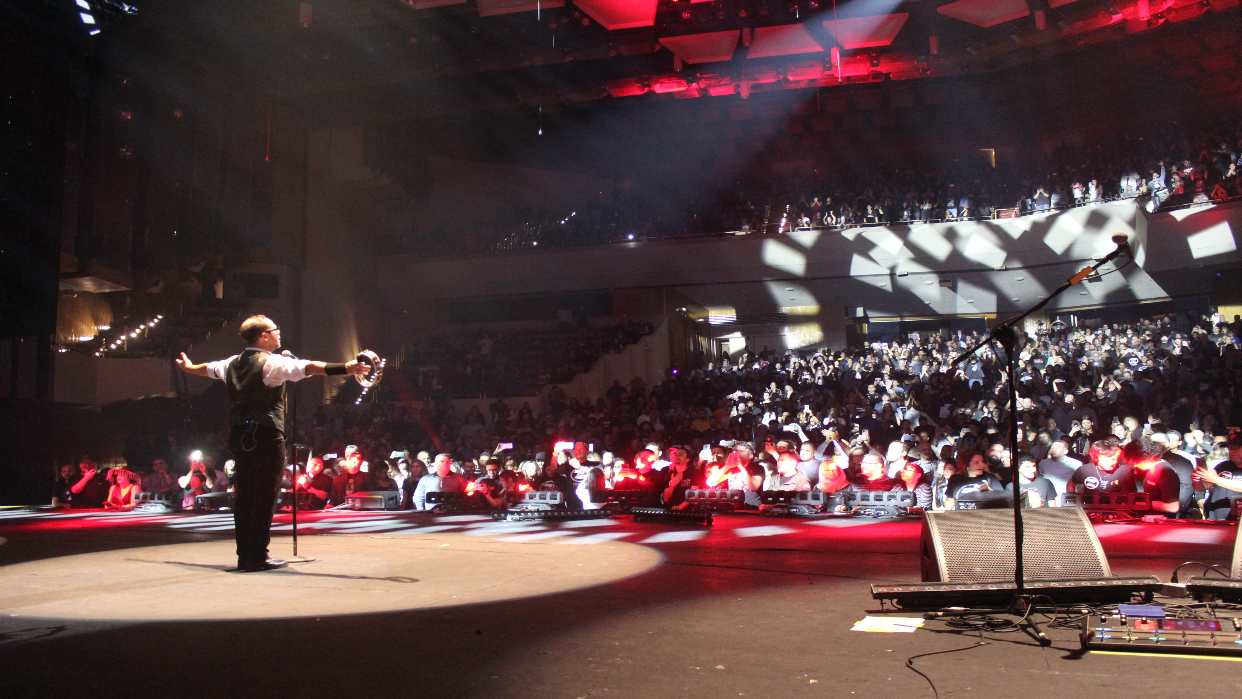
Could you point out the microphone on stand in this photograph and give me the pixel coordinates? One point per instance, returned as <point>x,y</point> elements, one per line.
<point>1122,241</point>
<point>287,353</point>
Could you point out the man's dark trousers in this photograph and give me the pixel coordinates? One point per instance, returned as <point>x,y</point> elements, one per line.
<point>259,456</point>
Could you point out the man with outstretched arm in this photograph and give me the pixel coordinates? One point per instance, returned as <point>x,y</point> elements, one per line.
<point>256,385</point>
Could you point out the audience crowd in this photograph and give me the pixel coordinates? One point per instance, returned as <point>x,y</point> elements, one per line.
<point>1162,170</point>
<point>1103,408</point>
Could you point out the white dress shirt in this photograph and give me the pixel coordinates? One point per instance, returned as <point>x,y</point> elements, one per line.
<point>276,370</point>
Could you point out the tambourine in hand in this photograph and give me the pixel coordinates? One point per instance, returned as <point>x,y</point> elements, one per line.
<point>376,372</point>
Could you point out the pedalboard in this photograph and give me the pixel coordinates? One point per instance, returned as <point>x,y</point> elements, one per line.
<point>1148,630</point>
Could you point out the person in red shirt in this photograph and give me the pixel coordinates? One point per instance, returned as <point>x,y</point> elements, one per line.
<point>1154,476</point>
<point>872,472</point>
<point>832,478</point>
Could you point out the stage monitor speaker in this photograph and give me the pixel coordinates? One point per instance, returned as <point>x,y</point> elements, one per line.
<point>977,546</point>
<point>1212,587</point>
<point>373,500</point>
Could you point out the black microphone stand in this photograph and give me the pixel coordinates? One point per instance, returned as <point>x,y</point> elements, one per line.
<point>1006,335</point>
<point>291,458</point>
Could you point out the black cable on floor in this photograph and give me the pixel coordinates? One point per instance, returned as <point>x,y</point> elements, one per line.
<point>910,663</point>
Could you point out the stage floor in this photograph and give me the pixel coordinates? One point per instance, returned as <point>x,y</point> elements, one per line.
<point>416,605</point>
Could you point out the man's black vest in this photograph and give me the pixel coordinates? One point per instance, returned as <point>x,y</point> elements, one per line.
<point>252,402</point>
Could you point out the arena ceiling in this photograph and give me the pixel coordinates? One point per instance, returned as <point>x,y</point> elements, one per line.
<point>446,56</point>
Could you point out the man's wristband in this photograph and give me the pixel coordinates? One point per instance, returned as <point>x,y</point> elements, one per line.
<point>334,369</point>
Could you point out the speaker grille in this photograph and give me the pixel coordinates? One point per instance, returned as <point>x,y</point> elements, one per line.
<point>977,545</point>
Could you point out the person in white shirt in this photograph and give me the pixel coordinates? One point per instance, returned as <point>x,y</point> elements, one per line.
<point>256,379</point>
<point>440,480</point>
<point>787,475</point>
<point>1059,467</point>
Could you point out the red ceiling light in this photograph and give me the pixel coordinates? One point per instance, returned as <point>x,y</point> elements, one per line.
<point>665,85</point>
<point>615,15</point>
<point>629,87</point>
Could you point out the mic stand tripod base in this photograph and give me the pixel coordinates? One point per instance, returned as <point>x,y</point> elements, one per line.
<point>1025,604</point>
<point>300,559</point>
<point>1022,607</point>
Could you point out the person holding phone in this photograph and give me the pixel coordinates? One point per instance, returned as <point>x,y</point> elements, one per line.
<point>92,488</point>
<point>681,477</point>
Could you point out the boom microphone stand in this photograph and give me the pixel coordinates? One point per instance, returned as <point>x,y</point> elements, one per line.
<point>1007,336</point>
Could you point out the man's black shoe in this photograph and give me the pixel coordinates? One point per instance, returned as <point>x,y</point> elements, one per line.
<point>269,564</point>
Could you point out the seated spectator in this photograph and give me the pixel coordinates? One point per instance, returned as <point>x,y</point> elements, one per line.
<point>895,457</point>
<point>529,472</point>
<point>1104,473</point>
<point>316,485</point>
<point>491,473</point>
<point>62,494</point>
<point>123,494</point>
<point>556,477</point>
<point>159,480</point>
<point>417,469</point>
<point>787,476</point>
<point>1184,469</point>
<point>440,480</point>
<point>349,479</point>
<point>946,468</point>
<point>681,476</point>
<point>1154,476</point>
<point>808,462</point>
<point>1224,480</point>
<point>640,477</point>
<point>502,492</point>
<point>974,480</point>
<point>354,456</point>
<point>92,487</point>
<point>1037,490</point>
<point>382,478</point>
<point>216,480</point>
<point>658,462</point>
<point>872,476</point>
<point>592,491</point>
<point>911,479</point>
<point>999,462</point>
<point>738,468</point>
<point>196,486</point>
<point>752,484</point>
<point>832,476</point>
<point>1060,467</point>
<point>400,471</point>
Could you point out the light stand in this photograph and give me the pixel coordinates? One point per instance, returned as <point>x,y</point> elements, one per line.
<point>1007,336</point>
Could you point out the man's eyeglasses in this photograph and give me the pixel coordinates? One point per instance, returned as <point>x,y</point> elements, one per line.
<point>271,330</point>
